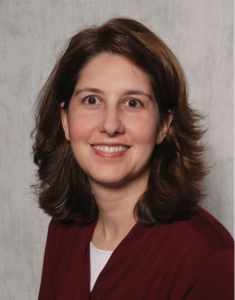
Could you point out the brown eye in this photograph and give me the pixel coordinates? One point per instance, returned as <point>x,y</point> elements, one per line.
<point>91,100</point>
<point>133,103</point>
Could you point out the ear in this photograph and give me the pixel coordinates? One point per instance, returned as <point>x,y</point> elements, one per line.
<point>64,120</point>
<point>163,127</point>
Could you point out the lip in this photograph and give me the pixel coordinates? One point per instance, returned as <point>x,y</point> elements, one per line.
<point>114,149</point>
<point>110,144</point>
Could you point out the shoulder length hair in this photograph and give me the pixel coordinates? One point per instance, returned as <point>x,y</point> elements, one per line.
<point>177,168</point>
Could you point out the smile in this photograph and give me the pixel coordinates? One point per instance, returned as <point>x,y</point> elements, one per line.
<point>107,149</point>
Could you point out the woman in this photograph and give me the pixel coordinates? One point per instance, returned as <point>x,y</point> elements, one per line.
<point>121,171</point>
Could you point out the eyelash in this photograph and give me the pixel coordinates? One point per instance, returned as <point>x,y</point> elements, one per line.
<point>139,103</point>
<point>90,97</point>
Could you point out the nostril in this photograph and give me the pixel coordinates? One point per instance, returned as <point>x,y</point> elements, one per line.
<point>112,123</point>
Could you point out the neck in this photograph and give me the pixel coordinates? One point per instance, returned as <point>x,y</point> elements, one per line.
<point>116,212</point>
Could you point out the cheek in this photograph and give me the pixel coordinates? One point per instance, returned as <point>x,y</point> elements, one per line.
<point>144,132</point>
<point>80,127</point>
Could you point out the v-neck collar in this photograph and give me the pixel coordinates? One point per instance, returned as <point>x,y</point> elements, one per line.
<point>88,234</point>
<point>113,258</point>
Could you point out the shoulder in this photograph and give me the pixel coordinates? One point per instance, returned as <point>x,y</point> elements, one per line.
<point>210,278</point>
<point>208,231</point>
<point>61,228</point>
<point>193,241</point>
<point>59,232</point>
<point>206,258</point>
<point>209,240</point>
<point>202,232</point>
<point>67,233</point>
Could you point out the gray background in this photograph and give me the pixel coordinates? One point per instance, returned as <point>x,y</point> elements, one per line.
<point>200,32</point>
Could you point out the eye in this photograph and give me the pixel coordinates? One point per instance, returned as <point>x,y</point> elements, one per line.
<point>91,100</point>
<point>133,103</point>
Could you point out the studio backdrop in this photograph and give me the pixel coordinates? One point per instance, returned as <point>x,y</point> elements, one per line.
<point>32,34</point>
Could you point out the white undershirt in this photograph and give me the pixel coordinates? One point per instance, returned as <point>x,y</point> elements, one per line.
<point>98,259</point>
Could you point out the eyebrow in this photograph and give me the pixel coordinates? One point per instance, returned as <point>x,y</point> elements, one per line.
<point>92,90</point>
<point>126,93</point>
<point>137,92</point>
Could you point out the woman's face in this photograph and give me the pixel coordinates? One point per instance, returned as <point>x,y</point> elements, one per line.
<point>112,121</point>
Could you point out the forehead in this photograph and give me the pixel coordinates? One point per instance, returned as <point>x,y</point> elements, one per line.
<point>110,70</point>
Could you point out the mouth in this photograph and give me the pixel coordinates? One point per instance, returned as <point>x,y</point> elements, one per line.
<point>108,149</point>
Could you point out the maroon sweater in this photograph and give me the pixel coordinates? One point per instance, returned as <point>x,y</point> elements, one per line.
<point>190,260</point>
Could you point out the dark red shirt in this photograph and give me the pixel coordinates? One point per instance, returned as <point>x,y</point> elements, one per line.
<point>190,260</point>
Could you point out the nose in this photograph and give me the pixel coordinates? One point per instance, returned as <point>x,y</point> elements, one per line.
<point>111,122</point>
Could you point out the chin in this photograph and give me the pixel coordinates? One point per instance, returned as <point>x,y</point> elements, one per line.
<point>109,180</point>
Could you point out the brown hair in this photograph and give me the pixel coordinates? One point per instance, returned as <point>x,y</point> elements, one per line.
<point>177,168</point>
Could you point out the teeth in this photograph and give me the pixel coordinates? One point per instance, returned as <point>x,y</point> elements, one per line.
<point>110,149</point>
